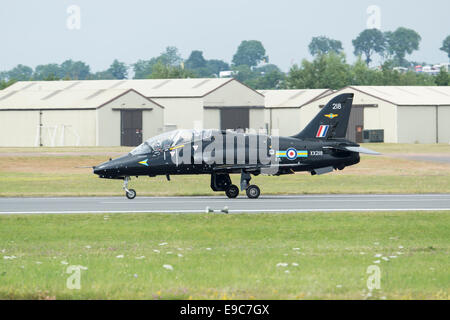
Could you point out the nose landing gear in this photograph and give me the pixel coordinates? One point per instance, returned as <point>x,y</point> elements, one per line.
<point>129,193</point>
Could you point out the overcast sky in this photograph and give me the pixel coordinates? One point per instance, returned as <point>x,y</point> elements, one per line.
<point>36,32</point>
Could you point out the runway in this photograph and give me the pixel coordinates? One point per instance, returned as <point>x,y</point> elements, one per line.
<point>270,204</point>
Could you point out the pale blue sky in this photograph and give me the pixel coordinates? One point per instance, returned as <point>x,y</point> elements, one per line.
<point>35,32</point>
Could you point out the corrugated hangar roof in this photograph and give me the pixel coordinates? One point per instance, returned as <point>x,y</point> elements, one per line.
<point>408,95</point>
<point>60,98</point>
<point>291,98</point>
<point>160,88</point>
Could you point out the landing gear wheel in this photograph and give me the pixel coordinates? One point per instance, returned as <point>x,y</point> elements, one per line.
<point>131,194</point>
<point>253,192</point>
<point>232,191</point>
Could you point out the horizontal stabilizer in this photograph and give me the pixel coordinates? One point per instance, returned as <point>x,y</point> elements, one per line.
<point>362,150</point>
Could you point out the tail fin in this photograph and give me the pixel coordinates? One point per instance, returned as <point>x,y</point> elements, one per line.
<point>332,120</point>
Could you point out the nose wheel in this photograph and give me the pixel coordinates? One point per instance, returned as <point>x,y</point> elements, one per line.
<point>129,193</point>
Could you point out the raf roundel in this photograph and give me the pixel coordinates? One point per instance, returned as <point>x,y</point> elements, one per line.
<point>291,154</point>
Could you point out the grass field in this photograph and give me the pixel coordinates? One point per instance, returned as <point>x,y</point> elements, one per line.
<point>39,172</point>
<point>226,256</point>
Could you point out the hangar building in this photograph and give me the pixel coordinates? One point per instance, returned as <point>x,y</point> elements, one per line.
<point>93,111</point>
<point>204,103</point>
<point>405,114</point>
<point>284,109</point>
<point>72,114</point>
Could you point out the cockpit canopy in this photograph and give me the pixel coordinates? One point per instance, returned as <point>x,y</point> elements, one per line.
<point>171,139</point>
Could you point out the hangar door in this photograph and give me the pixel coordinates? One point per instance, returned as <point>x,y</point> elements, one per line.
<point>131,127</point>
<point>356,124</point>
<point>234,118</point>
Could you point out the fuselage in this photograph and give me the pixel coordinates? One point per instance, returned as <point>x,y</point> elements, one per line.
<point>285,154</point>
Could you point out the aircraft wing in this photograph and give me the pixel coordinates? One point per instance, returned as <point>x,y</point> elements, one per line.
<point>247,167</point>
<point>250,168</point>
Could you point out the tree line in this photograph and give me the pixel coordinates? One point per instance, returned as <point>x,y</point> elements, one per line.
<point>250,64</point>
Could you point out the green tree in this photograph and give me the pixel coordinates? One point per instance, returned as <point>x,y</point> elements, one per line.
<point>19,73</point>
<point>195,60</point>
<point>325,71</point>
<point>215,66</point>
<point>362,75</point>
<point>324,45</point>
<point>442,78</point>
<point>204,68</point>
<point>271,78</point>
<point>401,42</point>
<point>143,68</point>
<point>4,84</point>
<point>250,53</point>
<point>118,70</point>
<point>243,73</point>
<point>50,71</point>
<point>163,71</point>
<point>390,77</point>
<point>76,70</point>
<point>446,46</point>
<point>368,42</point>
<point>170,57</point>
<point>102,75</point>
<point>51,77</point>
<point>265,77</point>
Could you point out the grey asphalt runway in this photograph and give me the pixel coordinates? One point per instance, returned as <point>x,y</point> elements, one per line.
<point>294,203</point>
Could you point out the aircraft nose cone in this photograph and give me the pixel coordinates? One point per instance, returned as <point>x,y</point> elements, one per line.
<point>96,170</point>
<point>102,169</point>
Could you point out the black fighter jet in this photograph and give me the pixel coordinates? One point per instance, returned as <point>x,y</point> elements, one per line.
<point>319,148</point>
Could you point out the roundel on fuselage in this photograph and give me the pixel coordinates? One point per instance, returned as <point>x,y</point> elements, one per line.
<point>291,154</point>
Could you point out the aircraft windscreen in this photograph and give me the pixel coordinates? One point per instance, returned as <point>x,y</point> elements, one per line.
<point>170,139</point>
<point>157,143</point>
<point>143,148</point>
<point>185,136</point>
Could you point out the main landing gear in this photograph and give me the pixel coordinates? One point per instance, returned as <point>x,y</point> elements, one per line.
<point>219,182</point>
<point>222,182</point>
<point>129,193</point>
<point>252,191</point>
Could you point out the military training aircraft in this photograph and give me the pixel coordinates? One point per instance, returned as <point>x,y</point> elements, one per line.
<point>319,148</point>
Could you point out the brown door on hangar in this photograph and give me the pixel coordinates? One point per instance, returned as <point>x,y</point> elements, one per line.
<point>131,127</point>
<point>234,118</point>
<point>356,124</point>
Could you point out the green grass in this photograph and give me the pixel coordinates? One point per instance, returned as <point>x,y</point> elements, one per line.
<point>335,251</point>
<point>39,184</point>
